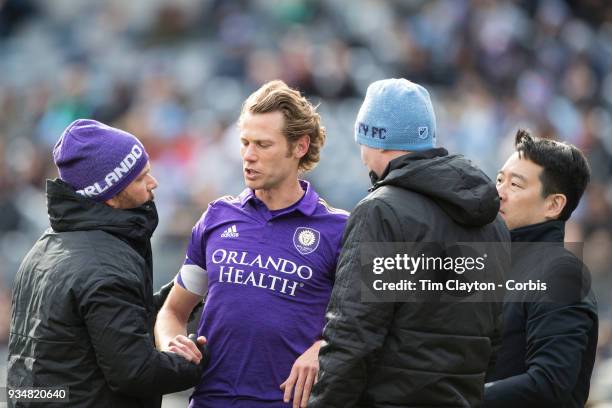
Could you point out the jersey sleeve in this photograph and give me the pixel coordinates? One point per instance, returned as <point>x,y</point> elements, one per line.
<point>193,276</point>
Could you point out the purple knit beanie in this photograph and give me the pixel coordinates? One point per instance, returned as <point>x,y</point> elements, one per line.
<point>97,160</point>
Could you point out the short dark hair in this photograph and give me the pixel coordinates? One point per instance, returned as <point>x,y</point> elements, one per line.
<point>565,169</point>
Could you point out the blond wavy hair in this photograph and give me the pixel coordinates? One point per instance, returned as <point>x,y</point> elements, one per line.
<point>301,117</point>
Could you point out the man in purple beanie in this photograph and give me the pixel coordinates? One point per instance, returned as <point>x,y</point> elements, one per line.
<point>265,261</point>
<point>82,304</point>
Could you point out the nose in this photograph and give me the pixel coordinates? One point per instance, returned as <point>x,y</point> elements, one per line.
<point>152,183</point>
<point>249,153</point>
<point>501,191</point>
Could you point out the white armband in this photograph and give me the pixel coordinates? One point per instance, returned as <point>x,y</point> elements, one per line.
<point>193,278</point>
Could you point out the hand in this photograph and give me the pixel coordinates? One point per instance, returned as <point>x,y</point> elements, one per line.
<point>303,375</point>
<point>186,348</point>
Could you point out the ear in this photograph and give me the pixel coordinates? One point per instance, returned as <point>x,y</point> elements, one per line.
<point>301,146</point>
<point>555,203</point>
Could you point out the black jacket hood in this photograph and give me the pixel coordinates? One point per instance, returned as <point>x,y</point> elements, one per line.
<point>460,188</point>
<point>68,211</point>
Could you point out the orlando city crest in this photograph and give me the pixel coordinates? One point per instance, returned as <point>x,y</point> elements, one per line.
<point>306,240</point>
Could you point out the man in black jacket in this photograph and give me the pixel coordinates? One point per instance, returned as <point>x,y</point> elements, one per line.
<point>409,354</point>
<point>549,336</point>
<point>82,307</point>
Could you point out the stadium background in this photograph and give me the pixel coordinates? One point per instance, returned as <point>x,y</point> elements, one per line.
<point>174,73</point>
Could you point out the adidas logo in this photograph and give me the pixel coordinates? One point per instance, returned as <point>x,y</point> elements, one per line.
<point>231,232</point>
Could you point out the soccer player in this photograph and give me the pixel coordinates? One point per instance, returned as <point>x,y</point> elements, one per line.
<point>266,260</point>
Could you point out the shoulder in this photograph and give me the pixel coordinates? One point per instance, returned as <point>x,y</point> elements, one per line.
<point>565,266</point>
<point>111,252</point>
<point>95,257</point>
<point>330,219</point>
<point>95,246</point>
<point>567,277</point>
<point>404,205</point>
<point>398,197</point>
<point>335,213</point>
<point>379,218</point>
<point>375,204</point>
<point>224,203</point>
<point>555,259</point>
<point>217,208</point>
<point>371,214</point>
<point>226,200</point>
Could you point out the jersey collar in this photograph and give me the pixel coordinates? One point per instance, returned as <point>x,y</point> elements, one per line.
<point>306,205</point>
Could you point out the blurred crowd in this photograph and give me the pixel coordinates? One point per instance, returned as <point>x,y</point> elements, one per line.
<point>174,73</point>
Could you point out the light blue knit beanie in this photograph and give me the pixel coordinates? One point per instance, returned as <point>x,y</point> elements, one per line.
<point>396,115</point>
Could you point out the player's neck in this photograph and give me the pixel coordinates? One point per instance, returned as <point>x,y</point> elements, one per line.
<point>282,196</point>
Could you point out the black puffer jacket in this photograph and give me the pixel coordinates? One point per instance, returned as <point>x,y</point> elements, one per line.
<point>416,354</point>
<point>83,310</point>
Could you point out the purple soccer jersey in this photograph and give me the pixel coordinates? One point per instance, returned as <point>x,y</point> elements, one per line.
<point>269,276</point>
